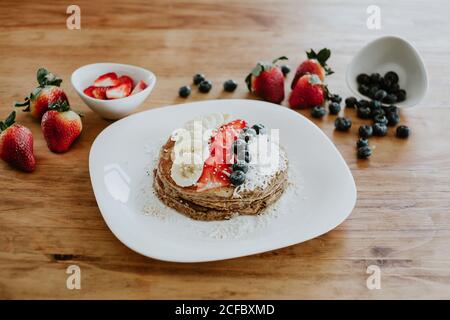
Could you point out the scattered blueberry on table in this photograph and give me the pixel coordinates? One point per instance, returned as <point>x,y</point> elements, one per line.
<point>230,85</point>
<point>334,108</point>
<point>318,112</point>
<point>184,91</point>
<point>198,78</point>
<point>205,86</point>
<point>342,124</point>
<point>402,132</point>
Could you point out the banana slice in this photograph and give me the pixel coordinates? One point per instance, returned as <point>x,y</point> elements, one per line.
<point>187,170</point>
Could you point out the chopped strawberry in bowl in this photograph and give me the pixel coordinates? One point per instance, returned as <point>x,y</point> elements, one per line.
<point>113,90</point>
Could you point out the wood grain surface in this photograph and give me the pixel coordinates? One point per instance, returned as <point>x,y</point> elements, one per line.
<point>50,219</point>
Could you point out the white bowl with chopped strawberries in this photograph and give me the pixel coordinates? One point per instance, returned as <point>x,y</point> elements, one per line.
<point>113,90</point>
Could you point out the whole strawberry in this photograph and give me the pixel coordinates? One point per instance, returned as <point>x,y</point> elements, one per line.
<point>16,144</point>
<point>47,93</point>
<point>316,64</point>
<point>60,126</point>
<point>308,92</point>
<point>267,81</point>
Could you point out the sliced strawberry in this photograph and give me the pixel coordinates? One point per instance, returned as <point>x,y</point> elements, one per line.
<point>106,80</point>
<point>88,91</point>
<point>217,167</point>
<point>214,177</point>
<point>99,93</point>
<point>120,91</point>
<point>141,85</point>
<point>125,79</point>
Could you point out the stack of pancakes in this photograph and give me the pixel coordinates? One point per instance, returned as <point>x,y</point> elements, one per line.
<point>214,204</point>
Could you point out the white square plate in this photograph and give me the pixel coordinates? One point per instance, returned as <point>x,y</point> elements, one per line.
<point>322,193</point>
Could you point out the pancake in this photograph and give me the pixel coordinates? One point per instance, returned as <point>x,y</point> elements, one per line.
<point>219,203</point>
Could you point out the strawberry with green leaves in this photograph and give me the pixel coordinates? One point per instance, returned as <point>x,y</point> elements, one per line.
<point>316,64</point>
<point>47,93</point>
<point>308,92</point>
<point>60,126</point>
<point>267,81</point>
<point>16,144</point>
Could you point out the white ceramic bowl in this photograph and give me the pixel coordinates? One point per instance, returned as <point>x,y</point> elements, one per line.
<point>396,54</point>
<point>84,77</point>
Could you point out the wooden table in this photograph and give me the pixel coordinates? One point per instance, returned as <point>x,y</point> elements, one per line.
<point>50,220</point>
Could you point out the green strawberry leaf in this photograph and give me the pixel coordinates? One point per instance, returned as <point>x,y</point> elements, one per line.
<point>323,56</point>
<point>60,106</point>
<point>46,78</point>
<point>9,121</point>
<point>279,59</point>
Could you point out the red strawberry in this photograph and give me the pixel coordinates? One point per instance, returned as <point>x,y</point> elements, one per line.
<point>217,167</point>
<point>99,93</point>
<point>120,91</point>
<point>60,126</point>
<point>316,64</point>
<point>16,144</point>
<point>125,79</point>
<point>267,81</point>
<point>214,176</point>
<point>106,80</point>
<point>141,85</point>
<point>89,91</point>
<point>43,96</point>
<point>308,92</point>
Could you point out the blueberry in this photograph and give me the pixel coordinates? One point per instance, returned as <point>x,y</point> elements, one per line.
<point>239,146</point>
<point>375,78</point>
<point>364,152</point>
<point>377,112</point>
<point>375,104</point>
<point>259,128</point>
<point>350,102</point>
<point>380,95</point>
<point>363,79</point>
<point>342,124</point>
<point>363,113</point>
<point>391,109</point>
<point>237,178</point>
<point>391,76</point>
<point>336,98</point>
<point>247,157</point>
<point>248,135</point>
<point>229,85</point>
<point>379,129</point>
<point>385,84</point>
<point>401,95</point>
<point>285,69</point>
<point>364,90</point>
<point>362,143</point>
<point>184,91</point>
<point>334,108</point>
<point>394,88</point>
<point>198,78</point>
<point>365,131</point>
<point>240,166</point>
<point>363,103</point>
<point>392,118</point>
<point>390,98</point>
<point>373,91</point>
<point>205,86</point>
<point>402,132</point>
<point>381,120</point>
<point>318,112</point>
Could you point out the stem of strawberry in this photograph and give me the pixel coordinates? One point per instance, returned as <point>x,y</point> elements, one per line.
<point>9,121</point>
<point>26,104</point>
<point>60,106</point>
